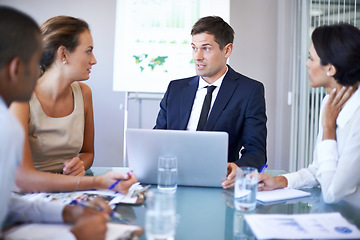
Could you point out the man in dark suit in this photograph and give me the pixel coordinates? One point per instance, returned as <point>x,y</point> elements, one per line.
<point>237,103</point>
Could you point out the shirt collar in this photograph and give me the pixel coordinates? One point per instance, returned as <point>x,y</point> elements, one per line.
<point>349,109</point>
<point>217,83</point>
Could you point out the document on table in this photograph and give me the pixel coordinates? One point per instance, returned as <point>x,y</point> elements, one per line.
<point>302,226</point>
<point>42,231</point>
<point>280,195</point>
<point>111,197</point>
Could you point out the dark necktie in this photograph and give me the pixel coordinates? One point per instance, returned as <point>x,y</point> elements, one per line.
<point>205,108</point>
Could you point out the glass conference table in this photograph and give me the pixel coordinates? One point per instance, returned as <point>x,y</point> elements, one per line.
<point>209,213</point>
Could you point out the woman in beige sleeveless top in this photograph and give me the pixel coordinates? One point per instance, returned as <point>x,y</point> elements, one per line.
<point>59,146</point>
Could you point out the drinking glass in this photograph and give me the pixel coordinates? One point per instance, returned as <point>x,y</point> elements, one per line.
<point>160,220</point>
<point>245,189</point>
<point>167,173</point>
<point>241,229</point>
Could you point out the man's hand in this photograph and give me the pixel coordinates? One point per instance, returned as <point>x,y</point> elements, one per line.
<point>231,174</point>
<point>91,226</point>
<point>88,223</point>
<point>71,213</point>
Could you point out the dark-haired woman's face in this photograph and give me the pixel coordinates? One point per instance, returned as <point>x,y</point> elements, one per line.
<point>82,58</point>
<point>317,72</point>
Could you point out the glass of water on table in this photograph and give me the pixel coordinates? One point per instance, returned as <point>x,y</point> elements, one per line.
<point>167,173</point>
<point>160,220</point>
<point>245,189</point>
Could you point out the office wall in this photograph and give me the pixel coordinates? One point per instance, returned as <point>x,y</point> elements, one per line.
<point>261,28</point>
<point>262,51</point>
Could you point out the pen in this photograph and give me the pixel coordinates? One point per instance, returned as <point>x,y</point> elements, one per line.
<point>263,168</point>
<point>116,183</point>
<point>85,204</point>
<point>113,214</point>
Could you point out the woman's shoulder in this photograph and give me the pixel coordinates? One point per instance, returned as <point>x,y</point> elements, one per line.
<point>20,108</point>
<point>85,89</point>
<point>86,94</point>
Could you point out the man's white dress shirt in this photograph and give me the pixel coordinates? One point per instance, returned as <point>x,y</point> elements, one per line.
<point>12,207</point>
<point>199,100</point>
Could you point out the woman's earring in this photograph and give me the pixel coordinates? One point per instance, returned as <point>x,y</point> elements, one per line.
<point>64,62</point>
<point>328,74</point>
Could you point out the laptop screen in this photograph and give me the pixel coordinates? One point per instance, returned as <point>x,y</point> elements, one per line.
<point>201,156</point>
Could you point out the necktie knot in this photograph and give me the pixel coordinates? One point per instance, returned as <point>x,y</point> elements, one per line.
<point>210,89</point>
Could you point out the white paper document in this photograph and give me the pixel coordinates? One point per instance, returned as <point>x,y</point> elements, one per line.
<point>280,195</point>
<point>42,231</point>
<point>109,196</point>
<point>302,226</point>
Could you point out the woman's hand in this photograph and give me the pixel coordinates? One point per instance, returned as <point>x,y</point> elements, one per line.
<point>74,167</point>
<point>332,108</point>
<point>126,180</point>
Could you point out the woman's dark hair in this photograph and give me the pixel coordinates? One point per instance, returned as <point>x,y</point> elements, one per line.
<point>60,31</point>
<point>339,45</point>
<point>223,32</point>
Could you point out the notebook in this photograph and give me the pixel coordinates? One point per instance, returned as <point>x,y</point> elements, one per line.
<point>201,156</point>
<point>280,195</point>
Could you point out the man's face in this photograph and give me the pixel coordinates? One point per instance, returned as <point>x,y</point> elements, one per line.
<point>210,61</point>
<point>31,73</point>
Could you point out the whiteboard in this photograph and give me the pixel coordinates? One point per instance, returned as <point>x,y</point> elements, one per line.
<point>153,41</point>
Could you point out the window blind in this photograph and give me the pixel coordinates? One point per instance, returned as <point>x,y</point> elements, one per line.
<point>305,104</point>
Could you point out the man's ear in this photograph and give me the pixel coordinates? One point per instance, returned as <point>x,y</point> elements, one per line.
<point>228,49</point>
<point>15,68</point>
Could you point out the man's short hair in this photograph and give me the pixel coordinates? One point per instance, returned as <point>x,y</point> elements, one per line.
<point>214,25</point>
<point>19,36</point>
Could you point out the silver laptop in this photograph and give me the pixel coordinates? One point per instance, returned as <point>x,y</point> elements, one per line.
<point>201,156</point>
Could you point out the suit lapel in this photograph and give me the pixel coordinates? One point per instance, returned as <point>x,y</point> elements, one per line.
<point>187,99</point>
<point>226,91</point>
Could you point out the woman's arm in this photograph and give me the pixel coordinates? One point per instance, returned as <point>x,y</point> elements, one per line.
<point>87,151</point>
<point>85,158</point>
<point>28,179</point>
<point>338,155</point>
